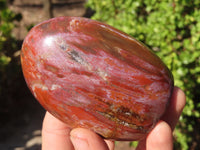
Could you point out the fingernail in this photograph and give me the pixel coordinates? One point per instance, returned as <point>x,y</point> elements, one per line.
<point>79,143</point>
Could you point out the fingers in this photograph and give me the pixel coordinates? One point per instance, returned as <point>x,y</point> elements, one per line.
<point>159,138</point>
<point>110,144</point>
<point>84,139</point>
<point>175,108</point>
<point>55,134</point>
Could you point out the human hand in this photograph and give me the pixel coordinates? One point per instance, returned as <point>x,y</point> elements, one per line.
<point>56,134</point>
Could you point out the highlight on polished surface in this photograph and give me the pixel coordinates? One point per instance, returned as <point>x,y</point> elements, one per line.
<point>91,75</point>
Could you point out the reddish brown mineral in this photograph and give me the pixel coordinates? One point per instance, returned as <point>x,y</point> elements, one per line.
<point>90,75</point>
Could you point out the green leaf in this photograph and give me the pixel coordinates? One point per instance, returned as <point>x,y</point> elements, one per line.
<point>4,60</point>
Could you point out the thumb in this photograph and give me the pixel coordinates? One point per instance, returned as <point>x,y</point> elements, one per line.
<point>84,139</point>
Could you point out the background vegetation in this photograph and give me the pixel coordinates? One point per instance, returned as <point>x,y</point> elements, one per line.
<point>171,28</point>
<point>9,61</point>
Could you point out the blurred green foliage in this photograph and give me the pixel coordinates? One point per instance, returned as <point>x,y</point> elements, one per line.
<point>171,28</point>
<point>8,47</point>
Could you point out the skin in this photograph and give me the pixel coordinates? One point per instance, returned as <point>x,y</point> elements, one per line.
<point>56,135</point>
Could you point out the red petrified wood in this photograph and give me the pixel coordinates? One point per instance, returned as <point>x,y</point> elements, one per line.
<point>91,75</point>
